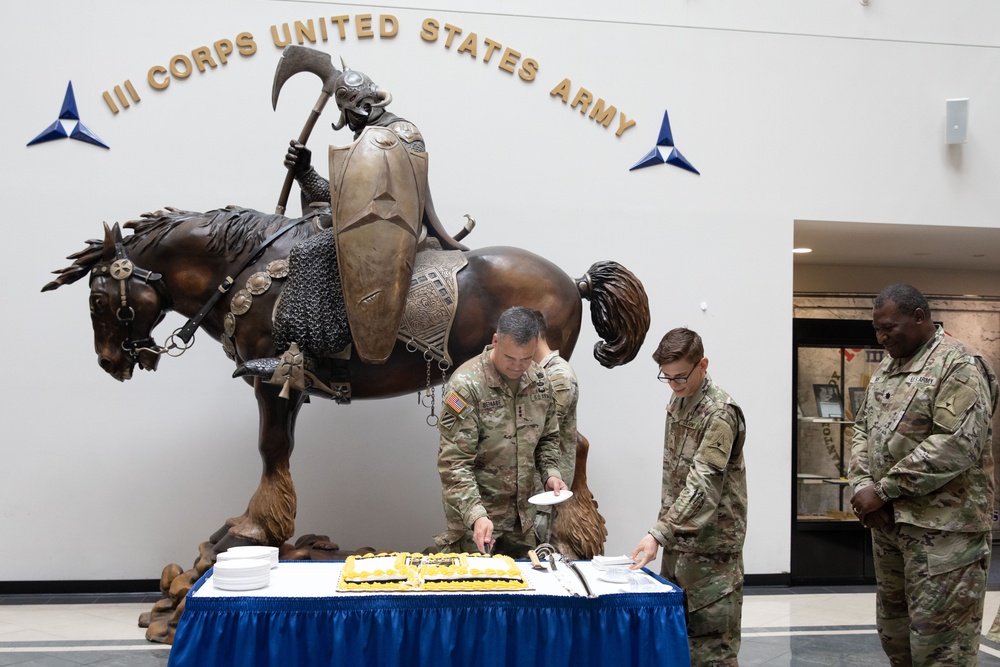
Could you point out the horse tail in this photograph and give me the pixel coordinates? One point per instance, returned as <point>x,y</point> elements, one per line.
<point>619,309</point>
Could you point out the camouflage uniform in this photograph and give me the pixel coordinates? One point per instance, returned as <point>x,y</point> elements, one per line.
<point>924,433</point>
<point>492,444</point>
<point>566,392</point>
<point>703,518</point>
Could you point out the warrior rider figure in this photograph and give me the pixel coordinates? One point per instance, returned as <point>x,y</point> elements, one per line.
<point>379,207</point>
<point>363,104</point>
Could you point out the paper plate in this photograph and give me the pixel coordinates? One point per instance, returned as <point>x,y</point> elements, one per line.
<point>242,566</point>
<point>604,562</point>
<point>242,574</point>
<point>550,497</point>
<point>614,575</point>
<point>249,585</point>
<point>254,576</point>
<point>241,553</point>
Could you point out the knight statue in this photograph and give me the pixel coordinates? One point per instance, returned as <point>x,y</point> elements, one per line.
<point>375,210</point>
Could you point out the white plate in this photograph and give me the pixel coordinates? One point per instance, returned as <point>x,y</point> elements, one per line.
<point>550,497</point>
<point>240,585</point>
<point>219,581</point>
<point>243,565</point>
<point>604,562</point>
<point>249,552</point>
<point>241,553</point>
<point>614,575</point>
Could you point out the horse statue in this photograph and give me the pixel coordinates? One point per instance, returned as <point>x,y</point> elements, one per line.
<point>185,261</point>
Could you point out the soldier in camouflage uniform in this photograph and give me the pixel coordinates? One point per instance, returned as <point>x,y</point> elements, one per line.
<point>703,516</point>
<point>922,469</point>
<point>498,428</point>
<point>566,392</point>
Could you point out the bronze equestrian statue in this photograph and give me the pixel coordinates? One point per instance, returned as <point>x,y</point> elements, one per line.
<point>177,260</point>
<point>359,298</point>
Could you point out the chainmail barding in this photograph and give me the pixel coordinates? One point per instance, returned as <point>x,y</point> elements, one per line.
<point>311,309</point>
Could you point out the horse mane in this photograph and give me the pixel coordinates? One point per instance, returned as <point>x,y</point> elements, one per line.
<point>231,231</point>
<point>82,263</point>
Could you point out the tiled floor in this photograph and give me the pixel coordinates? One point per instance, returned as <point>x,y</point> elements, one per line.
<point>39,631</point>
<point>825,626</point>
<point>781,626</point>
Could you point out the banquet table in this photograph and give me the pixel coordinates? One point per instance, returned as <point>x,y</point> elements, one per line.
<point>301,618</point>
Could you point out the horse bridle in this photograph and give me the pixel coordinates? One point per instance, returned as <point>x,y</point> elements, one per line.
<point>122,269</point>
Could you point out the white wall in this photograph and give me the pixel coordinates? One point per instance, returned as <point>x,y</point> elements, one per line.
<point>823,111</point>
<point>870,279</point>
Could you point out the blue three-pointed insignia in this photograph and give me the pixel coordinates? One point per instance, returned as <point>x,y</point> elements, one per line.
<point>68,116</point>
<point>655,156</point>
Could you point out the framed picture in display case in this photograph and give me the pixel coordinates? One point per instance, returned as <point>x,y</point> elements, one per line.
<point>855,395</point>
<point>831,361</point>
<point>828,401</point>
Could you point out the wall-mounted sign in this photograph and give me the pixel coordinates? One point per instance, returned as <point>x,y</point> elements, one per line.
<point>666,138</point>
<point>68,117</point>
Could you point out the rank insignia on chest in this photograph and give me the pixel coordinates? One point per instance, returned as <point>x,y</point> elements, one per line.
<point>455,402</point>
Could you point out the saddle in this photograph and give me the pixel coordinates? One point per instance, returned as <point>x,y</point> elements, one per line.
<point>310,321</point>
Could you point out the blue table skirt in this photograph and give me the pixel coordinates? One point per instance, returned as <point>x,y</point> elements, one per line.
<point>407,629</point>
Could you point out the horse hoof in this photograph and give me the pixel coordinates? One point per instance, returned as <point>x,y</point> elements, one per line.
<point>263,368</point>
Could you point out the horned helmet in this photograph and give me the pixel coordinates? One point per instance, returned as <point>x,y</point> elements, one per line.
<point>359,99</point>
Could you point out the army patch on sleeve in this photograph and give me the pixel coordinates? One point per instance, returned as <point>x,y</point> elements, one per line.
<point>950,409</point>
<point>717,447</point>
<point>455,402</point>
<point>448,420</point>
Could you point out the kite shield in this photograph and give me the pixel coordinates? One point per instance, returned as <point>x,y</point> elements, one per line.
<point>377,200</point>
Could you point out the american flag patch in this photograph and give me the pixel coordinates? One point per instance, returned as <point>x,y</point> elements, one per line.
<point>455,402</point>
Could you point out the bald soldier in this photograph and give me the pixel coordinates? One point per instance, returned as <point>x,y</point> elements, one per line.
<point>922,470</point>
<point>498,427</point>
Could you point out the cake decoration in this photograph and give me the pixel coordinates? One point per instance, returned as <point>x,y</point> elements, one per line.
<point>402,571</point>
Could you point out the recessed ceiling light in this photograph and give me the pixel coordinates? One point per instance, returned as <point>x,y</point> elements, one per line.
<point>801,251</point>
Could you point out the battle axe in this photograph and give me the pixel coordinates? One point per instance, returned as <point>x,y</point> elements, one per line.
<point>295,59</point>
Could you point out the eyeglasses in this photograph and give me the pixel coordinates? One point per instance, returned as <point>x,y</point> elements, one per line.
<point>678,379</point>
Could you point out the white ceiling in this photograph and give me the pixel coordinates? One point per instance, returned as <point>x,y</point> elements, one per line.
<point>910,246</point>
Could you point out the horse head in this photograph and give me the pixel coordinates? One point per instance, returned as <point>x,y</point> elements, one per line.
<point>126,303</point>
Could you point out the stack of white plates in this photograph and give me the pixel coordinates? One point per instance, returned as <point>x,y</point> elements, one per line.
<point>242,574</point>
<point>606,562</point>
<point>267,553</point>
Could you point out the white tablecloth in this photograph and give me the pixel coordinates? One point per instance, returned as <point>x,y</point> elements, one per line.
<point>305,580</point>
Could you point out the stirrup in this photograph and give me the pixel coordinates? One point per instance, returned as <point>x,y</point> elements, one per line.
<point>294,370</point>
<point>262,368</point>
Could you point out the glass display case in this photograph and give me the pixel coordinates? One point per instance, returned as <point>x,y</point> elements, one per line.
<point>833,361</point>
<point>831,382</point>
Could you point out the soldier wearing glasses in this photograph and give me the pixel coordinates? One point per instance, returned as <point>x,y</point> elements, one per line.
<point>703,516</point>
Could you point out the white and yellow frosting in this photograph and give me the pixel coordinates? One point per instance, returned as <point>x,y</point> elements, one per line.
<point>403,571</point>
